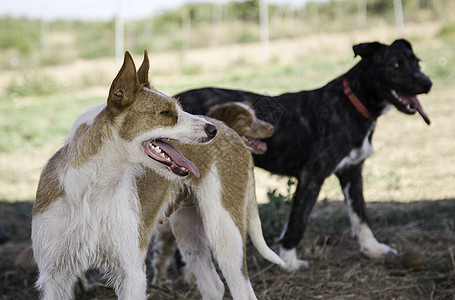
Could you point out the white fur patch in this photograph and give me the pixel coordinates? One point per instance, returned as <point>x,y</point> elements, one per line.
<point>283,232</point>
<point>85,118</point>
<point>90,218</point>
<point>254,224</point>
<point>369,245</point>
<point>153,91</point>
<point>195,249</point>
<point>289,256</point>
<point>247,107</point>
<point>358,154</point>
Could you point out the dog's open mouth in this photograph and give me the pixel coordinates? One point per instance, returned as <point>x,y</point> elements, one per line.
<point>168,155</point>
<point>408,104</point>
<point>255,145</point>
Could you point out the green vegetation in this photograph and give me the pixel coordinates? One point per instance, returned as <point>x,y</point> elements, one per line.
<point>448,30</point>
<point>32,85</point>
<point>195,25</point>
<point>40,123</point>
<point>274,213</point>
<point>19,35</point>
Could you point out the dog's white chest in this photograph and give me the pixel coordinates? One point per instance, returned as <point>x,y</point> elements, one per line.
<point>102,216</point>
<point>357,155</point>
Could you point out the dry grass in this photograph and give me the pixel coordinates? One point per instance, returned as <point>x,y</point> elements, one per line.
<point>337,270</point>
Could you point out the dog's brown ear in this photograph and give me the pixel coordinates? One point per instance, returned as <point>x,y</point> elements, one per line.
<point>227,112</point>
<point>366,50</point>
<point>143,72</point>
<point>124,87</point>
<point>216,112</point>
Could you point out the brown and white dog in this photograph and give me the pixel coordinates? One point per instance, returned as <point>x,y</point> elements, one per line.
<point>101,195</point>
<point>240,117</point>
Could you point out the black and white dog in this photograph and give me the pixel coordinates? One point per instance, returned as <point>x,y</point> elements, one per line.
<point>329,130</point>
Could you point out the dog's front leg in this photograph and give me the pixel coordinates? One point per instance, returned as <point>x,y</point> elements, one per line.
<point>56,286</point>
<point>130,282</point>
<point>351,183</point>
<point>194,246</point>
<point>133,285</point>
<point>304,199</point>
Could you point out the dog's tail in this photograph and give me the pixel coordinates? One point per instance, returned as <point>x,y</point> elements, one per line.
<point>255,232</point>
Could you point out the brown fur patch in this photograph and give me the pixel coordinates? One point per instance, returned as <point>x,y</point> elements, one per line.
<point>153,191</point>
<point>242,119</point>
<point>88,139</point>
<point>234,115</point>
<point>150,110</point>
<point>49,187</point>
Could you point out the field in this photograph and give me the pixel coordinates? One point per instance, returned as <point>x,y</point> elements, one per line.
<point>409,182</point>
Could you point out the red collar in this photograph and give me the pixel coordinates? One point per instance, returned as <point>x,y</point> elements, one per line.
<point>355,101</point>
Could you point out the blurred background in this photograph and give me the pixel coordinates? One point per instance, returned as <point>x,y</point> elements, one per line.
<point>58,58</point>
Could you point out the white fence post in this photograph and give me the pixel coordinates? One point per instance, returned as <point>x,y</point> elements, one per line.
<point>264,28</point>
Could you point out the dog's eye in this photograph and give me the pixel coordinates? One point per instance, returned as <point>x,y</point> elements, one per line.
<point>396,65</point>
<point>166,113</point>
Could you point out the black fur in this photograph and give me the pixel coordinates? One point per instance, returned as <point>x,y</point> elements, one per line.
<point>315,130</point>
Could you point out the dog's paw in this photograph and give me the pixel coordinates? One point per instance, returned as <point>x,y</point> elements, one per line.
<point>291,262</point>
<point>295,265</point>
<point>369,245</point>
<point>377,250</point>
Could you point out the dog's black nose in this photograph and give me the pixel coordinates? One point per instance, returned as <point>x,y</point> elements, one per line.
<point>427,85</point>
<point>423,82</point>
<point>211,130</point>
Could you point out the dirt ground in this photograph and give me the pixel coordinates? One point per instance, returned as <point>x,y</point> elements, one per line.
<point>337,269</point>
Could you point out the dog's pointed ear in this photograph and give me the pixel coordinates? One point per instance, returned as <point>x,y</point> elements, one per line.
<point>143,72</point>
<point>223,112</point>
<point>402,42</point>
<point>124,87</point>
<point>366,50</point>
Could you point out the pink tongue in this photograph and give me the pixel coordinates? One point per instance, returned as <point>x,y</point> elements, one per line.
<point>414,101</point>
<point>261,146</point>
<point>178,157</point>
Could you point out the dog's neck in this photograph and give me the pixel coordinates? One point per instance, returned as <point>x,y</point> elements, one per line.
<point>356,101</point>
<point>95,147</point>
<point>366,91</point>
<point>89,135</point>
